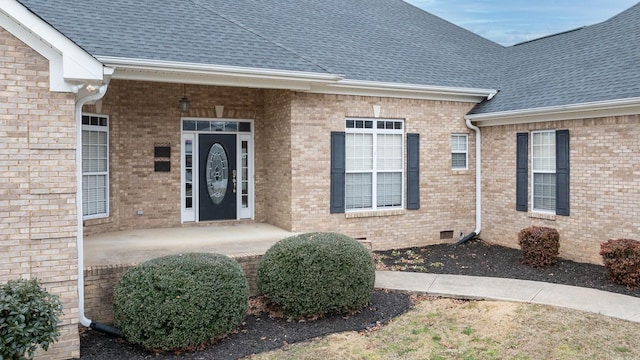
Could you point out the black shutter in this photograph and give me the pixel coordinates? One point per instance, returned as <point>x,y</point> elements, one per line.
<point>522,173</point>
<point>413,171</point>
<point>338,172</point>
<point>562,172</point>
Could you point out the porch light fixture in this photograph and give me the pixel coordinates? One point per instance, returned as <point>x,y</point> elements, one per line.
<point>184,102</point>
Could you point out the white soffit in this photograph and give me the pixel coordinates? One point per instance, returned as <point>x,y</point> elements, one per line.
<point>68,63</point>
<point>598,109</point>
<point>320,83</point>
<point>205,74</point>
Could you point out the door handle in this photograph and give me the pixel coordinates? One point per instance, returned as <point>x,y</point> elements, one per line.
<point>235,182</point>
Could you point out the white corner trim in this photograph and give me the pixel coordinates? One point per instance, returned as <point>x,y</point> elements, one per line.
<point>68,63</point>
<point>409,91</point>
<point>596,109</point>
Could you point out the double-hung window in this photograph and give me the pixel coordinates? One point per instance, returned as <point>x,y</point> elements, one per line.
<point>543,166</point>
<point>95,166</point>
<point>374,164</point>
<point>459,151</point>
<point>550,171</point>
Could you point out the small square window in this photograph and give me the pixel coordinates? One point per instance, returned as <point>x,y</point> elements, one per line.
<point>188,125</point>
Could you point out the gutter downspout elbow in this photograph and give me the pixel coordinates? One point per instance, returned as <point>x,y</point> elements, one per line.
<point>80,102</point>
<point>478,228</point>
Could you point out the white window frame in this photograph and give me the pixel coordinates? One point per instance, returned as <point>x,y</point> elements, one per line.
<point>188,213</point>
<point>105,173</point>
<point>249,211</point>
<point>374,131</point>
<point>459,151</point>
<point>535,170</point>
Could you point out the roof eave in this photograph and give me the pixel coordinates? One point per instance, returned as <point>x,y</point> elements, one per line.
<point>206,74</point>
<point>405,91</point>
<point>597,109</point>
<point>321,83</point>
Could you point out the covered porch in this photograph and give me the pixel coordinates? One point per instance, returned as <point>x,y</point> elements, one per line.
<point>108,255</point>
<point>130,247</point>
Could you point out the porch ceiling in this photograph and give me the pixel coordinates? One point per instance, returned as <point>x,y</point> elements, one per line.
<point>136,246</point>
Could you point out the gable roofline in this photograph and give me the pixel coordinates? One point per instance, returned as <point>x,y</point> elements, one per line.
<point>596,109</point>
<point>320,83</point>
<point>69,65</point>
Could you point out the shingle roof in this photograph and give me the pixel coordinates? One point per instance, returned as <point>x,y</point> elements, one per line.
<point>594,63</point>
<point>373,40</point>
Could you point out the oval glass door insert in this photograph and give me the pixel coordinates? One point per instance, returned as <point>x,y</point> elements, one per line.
<point>217,173</point>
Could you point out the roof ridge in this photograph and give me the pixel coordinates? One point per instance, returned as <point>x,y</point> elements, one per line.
<point>258,34</point>
<point>551,35</point>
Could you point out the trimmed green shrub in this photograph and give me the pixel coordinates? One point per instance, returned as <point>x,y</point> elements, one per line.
<point>178,302</point>
<point>317,273</point>
<point>621,258</point>
<point>540,246</point>
<point>29,318</point>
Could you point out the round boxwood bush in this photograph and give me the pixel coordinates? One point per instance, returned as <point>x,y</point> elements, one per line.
<point>29,318</point>
<point>317,273</point>
<point>180,301</point>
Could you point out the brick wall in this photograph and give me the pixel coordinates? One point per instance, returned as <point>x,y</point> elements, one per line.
<point>278,159</point>
<point>38,184</point>
<point>101,280</point>
<point>143,114</point>
<point>292,151</point>
<point>447,197</point>
<point>604,193</point>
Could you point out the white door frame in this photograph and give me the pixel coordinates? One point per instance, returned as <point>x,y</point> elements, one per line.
<point>245,146</point>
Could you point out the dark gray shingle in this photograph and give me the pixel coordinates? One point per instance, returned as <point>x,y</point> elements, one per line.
<point>594,63</point>
<point>375,40</point>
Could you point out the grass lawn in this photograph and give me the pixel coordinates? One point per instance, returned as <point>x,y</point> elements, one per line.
<point>457,329</point>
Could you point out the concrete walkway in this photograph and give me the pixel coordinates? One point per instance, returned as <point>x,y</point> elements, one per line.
<point>487,288</point>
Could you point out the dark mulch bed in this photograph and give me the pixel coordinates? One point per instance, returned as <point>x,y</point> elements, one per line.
<point>477,258</point>
<point>263,333</point>
<point>257,334</point>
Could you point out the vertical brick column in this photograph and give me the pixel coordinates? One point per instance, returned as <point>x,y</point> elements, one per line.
<point>38,184</point>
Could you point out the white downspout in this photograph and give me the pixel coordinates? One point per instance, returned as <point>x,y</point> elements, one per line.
<point>102,90</point>
<point>478,176</point>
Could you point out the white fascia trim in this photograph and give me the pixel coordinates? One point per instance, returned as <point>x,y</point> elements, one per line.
<point>596,109</point>
<point>205,74</point>
<point>68,63</point>
<point>407,91</point>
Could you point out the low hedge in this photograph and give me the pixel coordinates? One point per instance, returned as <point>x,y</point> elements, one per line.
<point>180,301</point>
<point>317,273</point>
<point>540,246</point>
<point>621,258</point>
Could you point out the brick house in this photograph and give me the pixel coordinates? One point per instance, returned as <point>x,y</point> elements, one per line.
<point>370,118</point>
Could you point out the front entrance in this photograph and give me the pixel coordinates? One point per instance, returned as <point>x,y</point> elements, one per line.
<point>218,177</point>
<point>217,170</point>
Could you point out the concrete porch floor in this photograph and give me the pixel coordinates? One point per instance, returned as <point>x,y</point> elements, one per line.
<point>136,246</point>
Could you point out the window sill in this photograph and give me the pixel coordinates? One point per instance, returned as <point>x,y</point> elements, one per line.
<point>541,215</point>
<point>459,171</point>
<point>374,213</point>
<point>95,217</point>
